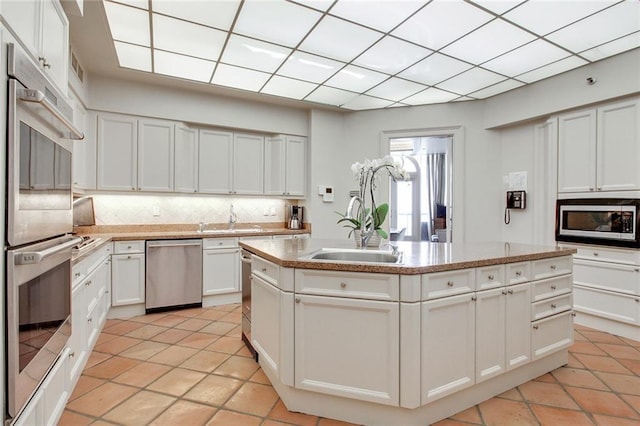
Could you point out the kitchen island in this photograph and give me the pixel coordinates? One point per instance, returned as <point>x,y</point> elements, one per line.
<point>409,342</point>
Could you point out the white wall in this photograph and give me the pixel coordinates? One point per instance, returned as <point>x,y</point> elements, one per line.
<point>107,94</point>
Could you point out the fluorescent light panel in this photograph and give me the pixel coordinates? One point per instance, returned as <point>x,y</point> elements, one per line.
<point>128,24</point>
<point>288,87</point>
<point>216,14</point>
<point>239,78</point>
<point>391,55</point>
<point>186,38</point>
<point>182,66</point>
<point>250,53</point>
<point>382,15</point>
<point>305,66</point>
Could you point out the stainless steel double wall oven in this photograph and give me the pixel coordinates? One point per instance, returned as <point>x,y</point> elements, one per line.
<point>39,222</point>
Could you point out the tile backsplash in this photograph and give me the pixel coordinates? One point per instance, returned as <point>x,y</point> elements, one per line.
<point>115,209</point>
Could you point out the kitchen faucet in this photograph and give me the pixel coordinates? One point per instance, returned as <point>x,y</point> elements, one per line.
<point>233,217</point>
<point>366,231</point>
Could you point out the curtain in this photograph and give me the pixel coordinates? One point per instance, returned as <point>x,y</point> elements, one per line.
<point>435,181</point>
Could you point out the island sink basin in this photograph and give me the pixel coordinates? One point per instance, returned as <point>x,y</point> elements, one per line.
<point>347,255</point>
<point>230,231</point>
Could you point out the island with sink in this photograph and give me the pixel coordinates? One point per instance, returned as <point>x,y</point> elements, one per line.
<point>410,333</point>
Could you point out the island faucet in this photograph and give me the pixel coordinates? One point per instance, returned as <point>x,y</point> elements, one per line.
<point>367,226</point>
<point>233,217</point>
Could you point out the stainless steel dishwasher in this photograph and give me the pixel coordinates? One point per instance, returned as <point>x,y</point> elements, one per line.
<point>245,258</point>
<point>174,274</point>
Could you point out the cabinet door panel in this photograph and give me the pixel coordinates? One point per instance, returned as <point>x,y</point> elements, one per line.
<point>117,152</point>
<point>215,159</point>
<point>619,147</point>
<point>296,176</point>
<point>490,333</point>
<point>127,273</point>
<point>55,43</point>
<point>186,160</point>
<point>221,271</point>
<point>340,341</point>
<point>518,328</point>
<point>448,346</point>
<point>274,158</point>
<point>606,304</point>
<point>265,322</point>
<point>551,334</point>
<point>248,164</point>
<point>155,156</point>
<point>577,151</point>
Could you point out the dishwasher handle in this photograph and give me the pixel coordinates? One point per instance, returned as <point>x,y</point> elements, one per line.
<point>151,245</point>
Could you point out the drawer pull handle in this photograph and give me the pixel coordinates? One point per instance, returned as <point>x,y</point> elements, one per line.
<point>450,283</point>
<point>90,320</point>
<point>553,287</point>
<point>264,270</point>
<point>510,291</point>
<point>553,267</point>
<point>535,327</point>
<point>518,273</point>
<point>72,354</point>
<point>128,257</point>
<point>573,314</point>
<point>88,283</point>
<point>491,277</point>
<point>297,300</point>
<point>636,269</point>
<point>77,274</point>
<point>595,253</point>
<point>553,306</point>
<point>474,298</point>
<point>504,292</point>
<point>343,285</point>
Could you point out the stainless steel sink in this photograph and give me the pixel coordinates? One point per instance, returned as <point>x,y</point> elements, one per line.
<point>347,255</point>
<point>231,231</point>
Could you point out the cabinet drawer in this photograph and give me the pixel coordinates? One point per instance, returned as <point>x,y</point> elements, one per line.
<point>490,277</point>
<point>441,284</point>
<point>213,243</point>
<point>547,268</point>
<point>615,306</point>
<point>552,306</point>
<point>518,272</point>
<point>267,270</point>
<point>347,284</point>
<point>124,247</point>
<point>551,334</point>
<point>545,289</point>
<point>606,254</point>
<point>607,276</point>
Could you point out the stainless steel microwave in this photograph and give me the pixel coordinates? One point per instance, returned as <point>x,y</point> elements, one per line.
<point>602,221</point>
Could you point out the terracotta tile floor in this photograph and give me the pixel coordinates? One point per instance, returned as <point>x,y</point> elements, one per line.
<point>190,368</point>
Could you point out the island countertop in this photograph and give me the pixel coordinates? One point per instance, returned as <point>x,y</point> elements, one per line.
<point>417,258</point>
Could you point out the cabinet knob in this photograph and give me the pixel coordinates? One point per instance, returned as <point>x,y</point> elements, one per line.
<point>264,270</point>
<point>128,257</point>
<point>595,253</point>
<point>297,300</point>
<point>510,291</point>
<point>535,327</point>
<point>599,188</point>
<point>518,273</point>
<point>72,354</point>
<point>77,274</point>
<point>343,285</point>
<point>553,267</point>
<point>88,283</point>
<point>90,320</point>
<point>43,62</point>
<point>450,283</point>
<point>553,287</point>
<point>573,314</point>
<point>591,188</point>
<point>474,298</point>
<point>553,306</point>
<point>504,292</point>
<point>636,269</point>
<point>491,277</point>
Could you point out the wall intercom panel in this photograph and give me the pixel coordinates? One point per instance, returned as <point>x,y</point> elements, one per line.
<point>516,199</point>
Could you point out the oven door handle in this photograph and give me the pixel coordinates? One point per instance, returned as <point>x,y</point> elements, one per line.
<point>32,257</point>
<point>36,96</point>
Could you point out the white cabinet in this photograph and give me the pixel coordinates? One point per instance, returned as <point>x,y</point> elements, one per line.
<point>134,155</point>
<point>448,346</point>
<point>43,28</point>
<point>127,273</point>
<point>117,152</point>
<point>340,341</point>
<point>285,166</point>
<point>215,161</point>
<point>265,322</point>
<point>220,266</point>
<point>248,164</point>
<point>155,155</point>
<point>599,149</point>
<point>56,390</point>
<point>186,159</point>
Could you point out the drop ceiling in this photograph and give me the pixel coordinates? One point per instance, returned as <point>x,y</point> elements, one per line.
<point>369,54</point>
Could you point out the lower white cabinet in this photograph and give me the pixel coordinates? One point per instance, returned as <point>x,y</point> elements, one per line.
<point>220,266</point>
<point>551,334</point>
<point>339,342</point>
<point>448,346</point>
<point>265,322</point>
<point>127,273</point>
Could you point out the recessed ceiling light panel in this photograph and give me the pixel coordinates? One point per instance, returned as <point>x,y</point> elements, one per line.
<point>525,58</point>
<point>187,38</point>
<point>363,102</point>
<point>471,81</point>
<point>330,96</point>
<point>288,87</point>
<point>182,66</point>
<point>501,87</point>
<point>558,67</point>
<point>395,89</point>
<point>305,66</point>
<point>239,78</point>
<point>435,69</point>
<point>382,15</point>
<point>613,48</point>
<point>216,14</point>
<point>356,79</point>
<point>254,54</point>
<point>128,24</point>
<point>391,55</point>
<point>133,56</point>
<point>430,96</point>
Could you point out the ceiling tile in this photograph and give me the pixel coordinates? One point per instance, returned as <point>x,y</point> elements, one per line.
<point>613,48</point>
<point>338,39</point>
<point>128,24</point>
<point>543,17</point>
<point>501,87</point>
<point>250,53</point>
<point>435,69</point>
<point>525,58</point>
<point>382,15</point>
<point>275,21</point>
<point>395,89</point>
<point>363,102</point>
<point>391,55</point>
<point>132,56</point>
<point>182,66</point>
<point>430,96</point>
<point>217,14</point>
<point>330,96</point>
<point>356,79</point>
<point>470,81</point>
<point>186,38</point>
<point>552,69</point>
<point>441,22</point>
<point>487,42</point>
<point>321,5</point>
<point>288,87</point>
<point>305,66</point>
<point>498,6</point>
<point>240,78</point>
<point>617,21</point>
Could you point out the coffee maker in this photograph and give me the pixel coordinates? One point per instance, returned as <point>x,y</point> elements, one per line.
<point>294,216</point>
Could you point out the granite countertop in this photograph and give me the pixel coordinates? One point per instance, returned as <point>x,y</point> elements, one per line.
<point>417,258</point>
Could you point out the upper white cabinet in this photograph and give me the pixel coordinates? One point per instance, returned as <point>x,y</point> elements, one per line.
<point>599,149</point>
<point>214,161</point>
<point>248,164</point>
<point>186,159</point>
<point>43,29</point>
<point>285,166</point>
<point>134,154</point>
